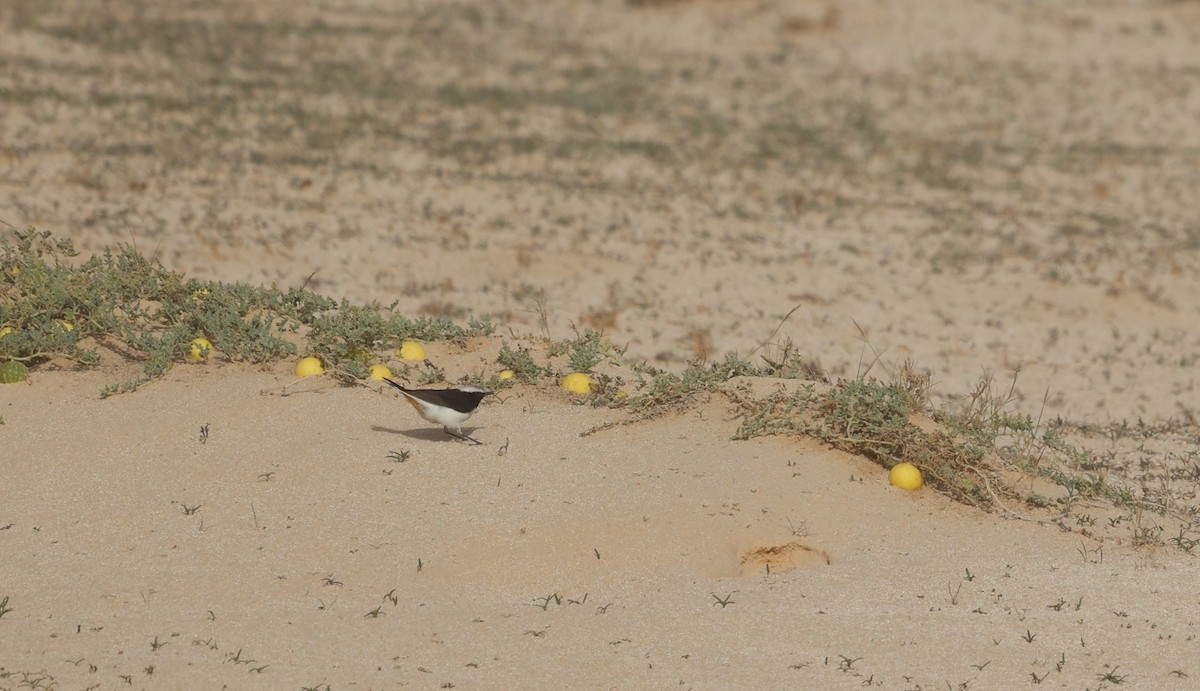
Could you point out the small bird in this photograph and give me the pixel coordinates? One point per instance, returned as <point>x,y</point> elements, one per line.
<point>449,408</point>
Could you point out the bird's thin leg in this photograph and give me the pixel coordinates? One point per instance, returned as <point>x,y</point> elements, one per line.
<point>463,436</point>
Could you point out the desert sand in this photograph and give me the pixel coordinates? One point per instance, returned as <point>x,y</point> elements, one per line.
<point>985,188</point>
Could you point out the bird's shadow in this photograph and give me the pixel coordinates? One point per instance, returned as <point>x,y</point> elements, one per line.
<point>423,433</point>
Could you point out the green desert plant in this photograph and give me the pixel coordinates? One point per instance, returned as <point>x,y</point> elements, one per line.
<point>661,391</point>
<point>122,302</point>
<point>586,350</point>
<point>521,362</point>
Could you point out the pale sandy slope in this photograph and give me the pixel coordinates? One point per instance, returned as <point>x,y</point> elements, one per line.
<point>304,528</point>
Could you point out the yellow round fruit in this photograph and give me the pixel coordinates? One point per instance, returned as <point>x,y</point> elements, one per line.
<point>506,374</point>
<point>905,476</point>
<point>65,324</point>
<point>309,366</point>
<point>411,351</point>
<point>577,382</point>
<point>5,331</point>
<point>379,372</point>
<point>200,349</point>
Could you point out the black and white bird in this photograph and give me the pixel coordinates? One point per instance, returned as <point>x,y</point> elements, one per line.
<point>449,408</point>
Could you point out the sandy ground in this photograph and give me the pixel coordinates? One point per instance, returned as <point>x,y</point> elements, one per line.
<point>979,187</point>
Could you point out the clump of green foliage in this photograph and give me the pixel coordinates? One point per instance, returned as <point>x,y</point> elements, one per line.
<point>660,391</point>
<point>875,419</point>
<point>878,420</point>
<point>583,353</point>
<point>521,362</point>
<point>123,302</point>
<point>587,350</point>
<point>347,335</point>
<point>959,452</point>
